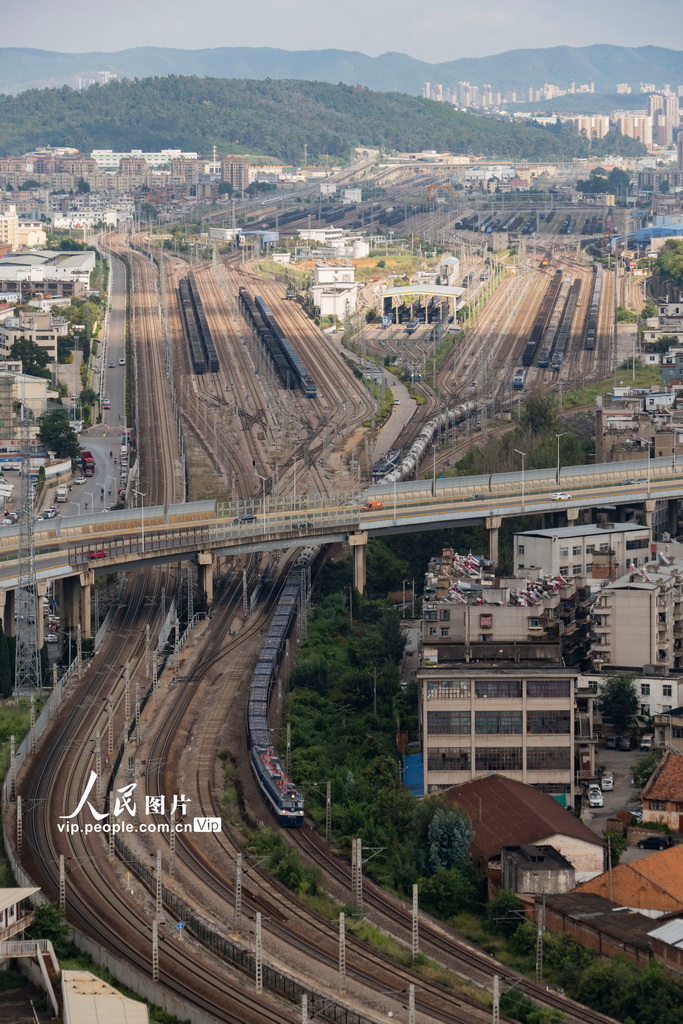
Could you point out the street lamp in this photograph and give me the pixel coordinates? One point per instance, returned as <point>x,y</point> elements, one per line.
<point>263,482</point>
<point>92,500</point>
<point>523,454</point>
<point>558,436</point>
<point>139,494</point>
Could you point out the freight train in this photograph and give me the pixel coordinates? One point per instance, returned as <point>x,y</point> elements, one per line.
<point>291,369</point>
<point>279,792</point>
<point>199,339</point>
<point>542,317</point>
<point>591,329</point>
<point>409,464</point>
<point>563,331</point>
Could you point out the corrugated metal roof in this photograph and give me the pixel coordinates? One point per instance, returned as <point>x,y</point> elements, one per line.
<point>8,897</point>
<point>89,1000</point>
<point>671,932</point>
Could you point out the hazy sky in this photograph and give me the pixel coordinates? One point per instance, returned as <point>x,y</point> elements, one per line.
<point>435,30</point>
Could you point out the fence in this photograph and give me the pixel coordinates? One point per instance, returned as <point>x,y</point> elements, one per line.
<point>319,1005</point>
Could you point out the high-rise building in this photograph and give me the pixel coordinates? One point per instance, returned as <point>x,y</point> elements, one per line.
<point>680,151</point>
<point>235,170</point>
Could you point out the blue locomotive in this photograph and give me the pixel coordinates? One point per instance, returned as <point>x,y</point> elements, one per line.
<point>279,792</point>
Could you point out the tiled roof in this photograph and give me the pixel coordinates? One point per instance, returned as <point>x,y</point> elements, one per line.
<point>652,883</point>
<point>505,812</point>
<point>667,781</point>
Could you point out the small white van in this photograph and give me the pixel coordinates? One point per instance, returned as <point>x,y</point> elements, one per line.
<point>62,493</point>
<point>646,741</point>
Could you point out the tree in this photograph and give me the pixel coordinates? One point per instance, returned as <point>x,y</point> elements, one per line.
<point>448,837</point>
<point>34,359</point>
<point>83,187</point>
<point>645,766</point>
<point>504,913</point>
<point>57,434</point>
<point>48,923</point>
<point>225,188</point>
<point>449,891</point>
<point>619,700</point>
<point>617,843</point>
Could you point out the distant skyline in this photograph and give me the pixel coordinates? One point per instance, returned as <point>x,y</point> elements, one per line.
<point>440,30</point>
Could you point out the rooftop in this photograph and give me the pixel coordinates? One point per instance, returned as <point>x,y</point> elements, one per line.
<point>603,915</point>
<point>8,897</point>
<point>586,531</point>
<point>505,812</point>
<point>89,1000</point>
<point>666,783</point>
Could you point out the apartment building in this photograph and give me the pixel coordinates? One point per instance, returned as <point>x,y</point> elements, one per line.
<point>638,620</point>
<point>498,677</point>
<point>41,328</point>
<point>597,552</point>
<point>235,170</point>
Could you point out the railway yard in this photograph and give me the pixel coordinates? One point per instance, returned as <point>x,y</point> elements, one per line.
<point>239,420</point>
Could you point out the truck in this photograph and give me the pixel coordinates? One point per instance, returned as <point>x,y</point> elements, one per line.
<point>62,493</point>
<point>88,463</point>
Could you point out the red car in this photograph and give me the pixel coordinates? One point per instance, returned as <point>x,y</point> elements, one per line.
<point>97,554</point>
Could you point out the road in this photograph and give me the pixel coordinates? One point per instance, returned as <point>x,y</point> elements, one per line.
<point>620,763</point>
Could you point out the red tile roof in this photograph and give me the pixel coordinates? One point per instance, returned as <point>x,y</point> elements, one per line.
<point>667,781</point>
<point>505,812</point>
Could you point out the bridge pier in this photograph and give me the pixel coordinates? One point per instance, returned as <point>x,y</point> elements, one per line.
<point>493,526</point>
<point>649,508</point>
<point>7,612</point>
<point>75,603</point>
<point>87,580</point>
<point>205,575</point>
<point>672,516</point>
<point>41,592</point>
<point>358,541</point>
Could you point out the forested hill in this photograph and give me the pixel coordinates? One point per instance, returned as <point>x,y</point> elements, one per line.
<point>275,118</point>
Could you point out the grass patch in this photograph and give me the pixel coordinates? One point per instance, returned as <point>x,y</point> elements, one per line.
<point>646,376</point>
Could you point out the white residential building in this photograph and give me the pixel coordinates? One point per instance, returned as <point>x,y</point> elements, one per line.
<point>334,289</point>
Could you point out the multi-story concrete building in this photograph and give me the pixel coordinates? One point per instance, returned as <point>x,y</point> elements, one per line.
<point>598,552</point>
<point>334,290</point>
<point>41,328</point>
<point>499,676</point>
<point>41,273</point>
<point>638,620</point>
<point>235,170</point>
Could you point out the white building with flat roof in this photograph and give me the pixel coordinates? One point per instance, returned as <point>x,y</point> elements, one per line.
<point>596,552</point>
<point>108,160</point>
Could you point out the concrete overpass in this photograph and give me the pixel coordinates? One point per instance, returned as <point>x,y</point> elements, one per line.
<point>71,550</point>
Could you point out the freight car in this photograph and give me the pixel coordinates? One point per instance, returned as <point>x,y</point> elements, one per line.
<point>591,329</point>
<point>205,336</point>
<point>266,337</point>
<point>296,365</point>
<point>280,793</point>
<point>542,318</point>
<point>191,327</point>
<point>564,330</point>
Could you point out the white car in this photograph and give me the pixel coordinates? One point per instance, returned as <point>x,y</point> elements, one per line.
<point>595,797</point>
<point>607,782</point>
<point>51,638</point>
<point>560,496</point>
<point>79,480</point>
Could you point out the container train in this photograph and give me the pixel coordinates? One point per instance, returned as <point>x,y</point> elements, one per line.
<point>591,329</point>
<point>291,369</point>
<point>280,793</point>
<point>199,339</point>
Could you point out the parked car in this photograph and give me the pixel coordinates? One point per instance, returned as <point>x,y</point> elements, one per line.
<point>637,813</point>
<point>246,518</point>
<point>611,743</point>
<point>656,842</point>
<point>626,743</point>
<point>607,782</point>
<point>595,797</point>
<point>561,496</point>
<point>51,638</point>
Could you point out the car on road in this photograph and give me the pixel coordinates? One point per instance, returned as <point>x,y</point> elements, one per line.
<point>607,782</point>
<point>397,401</point>
<point>97,554</point>
<point>560,496</point>
<point>79,480</point>
<point>50,513</point>
<point>658,842</point>
<point>636,480</point>
<point>246,518</point>
<point>595,797</point>
<point>112,365</point>
<point>122,361</point>
<point>51,638</point>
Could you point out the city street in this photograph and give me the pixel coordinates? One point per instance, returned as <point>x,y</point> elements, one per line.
<point>620,763</point>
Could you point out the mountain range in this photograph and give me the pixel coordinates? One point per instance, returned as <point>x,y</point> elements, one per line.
<point>603,64</point>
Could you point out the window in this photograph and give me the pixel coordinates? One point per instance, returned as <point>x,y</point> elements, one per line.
<point>432,630</point>
<point>534,623</point>
<point>520,549</point>
<point>657,805</point>
<point>590,548</point>
<point>445,630</point>
<point>445,615</point>
<point>498,688</point>
<point>636,545</point>
<point>667,691</point>
<point>644,689</point>
<point>457,688</point>
<point>443,759</point>
<point>449,723</point>
<point>589,568</point>
<point>564,552</point>
<point>576,550</point>
<point>488,723</point>
<point>539,723</point>
<point>430,615</point>
<point>548,758</point>
<point>604,548</point>
<point>576,570</point>
<point>498,759</point>
<point>564,570</point>
<point>548,688</point>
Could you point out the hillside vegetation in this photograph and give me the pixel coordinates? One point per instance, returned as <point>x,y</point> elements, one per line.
<point>272,117</point>
<point>670,262</point>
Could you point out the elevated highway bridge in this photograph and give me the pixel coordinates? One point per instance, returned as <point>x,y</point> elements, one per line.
<point>74,549</point>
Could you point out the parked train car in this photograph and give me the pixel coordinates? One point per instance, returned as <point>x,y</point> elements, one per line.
<point>190,327</point>
<point>280,793</point>
<point>297,367</point>
<point>542,317</point>
<point>564,330</point>
<point>268,340</point>
<point>205,336</point>
<point>591,329</point>
<point>412,458</point>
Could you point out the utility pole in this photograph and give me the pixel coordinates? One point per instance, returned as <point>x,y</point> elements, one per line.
<point>342,953</point>
<point>27,661</point>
